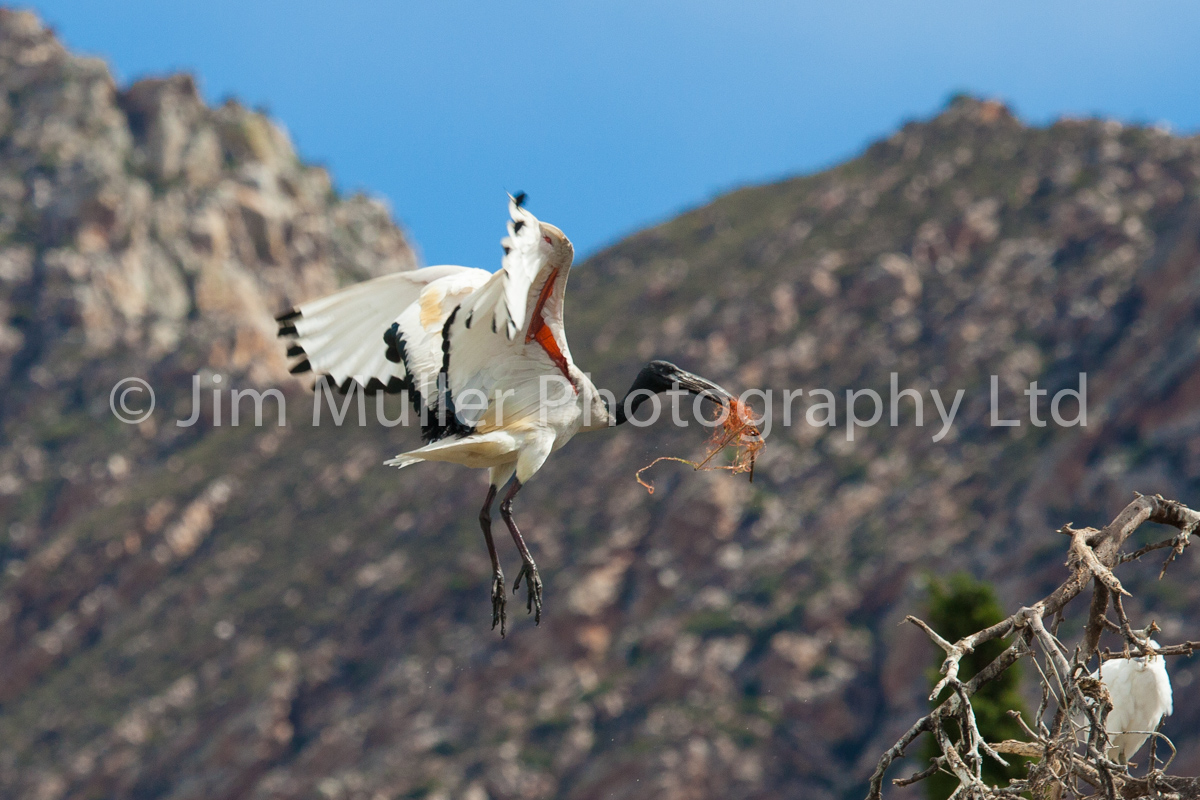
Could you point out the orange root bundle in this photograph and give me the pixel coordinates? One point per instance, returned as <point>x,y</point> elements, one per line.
<point>736,429</point>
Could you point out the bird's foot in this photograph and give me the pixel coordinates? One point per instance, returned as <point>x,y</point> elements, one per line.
<point>533,589</point>
<point>498,602</point>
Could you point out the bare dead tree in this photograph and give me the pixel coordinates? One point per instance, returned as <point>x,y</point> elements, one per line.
<point>1066,738</point>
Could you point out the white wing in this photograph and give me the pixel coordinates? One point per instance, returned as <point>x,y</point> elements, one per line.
<point>508,336</point>
<point>342,335</point>
<point>501,302</point>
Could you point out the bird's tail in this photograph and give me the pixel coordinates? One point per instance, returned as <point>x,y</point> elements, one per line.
<point>403,460</point>
<point>478,451</point>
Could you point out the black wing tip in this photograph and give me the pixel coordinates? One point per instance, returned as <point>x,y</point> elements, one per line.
<point>391,338</point>
<point>394,385</point>
<point>288,330</point>
<point>296,350</point>
<point>518,225</point>
<point>519,199</point>
<point>288,315</point>
<point>302,367</point>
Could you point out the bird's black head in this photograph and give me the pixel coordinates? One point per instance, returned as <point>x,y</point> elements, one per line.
<point>663,376</point>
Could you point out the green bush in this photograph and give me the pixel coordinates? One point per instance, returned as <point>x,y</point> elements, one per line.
<point>958,607</point>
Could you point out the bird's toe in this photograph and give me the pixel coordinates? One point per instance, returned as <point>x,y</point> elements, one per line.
<point>533,590</point>
<point>499,617</point>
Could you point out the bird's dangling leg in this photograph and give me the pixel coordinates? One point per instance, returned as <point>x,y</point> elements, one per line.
<point>498,599</point>
<point>529,570</point>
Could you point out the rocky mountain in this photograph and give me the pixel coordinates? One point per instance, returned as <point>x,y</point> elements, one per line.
<point>220,611</point>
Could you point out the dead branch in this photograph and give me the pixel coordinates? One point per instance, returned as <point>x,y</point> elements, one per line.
<point>1071,755</point>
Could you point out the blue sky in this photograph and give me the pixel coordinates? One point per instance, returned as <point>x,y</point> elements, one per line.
<point>614,115</point>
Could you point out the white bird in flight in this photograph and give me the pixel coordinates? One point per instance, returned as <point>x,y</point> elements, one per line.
<point>484,359</point>
<point>1141,697</point>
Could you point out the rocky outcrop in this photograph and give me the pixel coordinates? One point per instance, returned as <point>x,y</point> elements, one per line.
<point>140,217</point>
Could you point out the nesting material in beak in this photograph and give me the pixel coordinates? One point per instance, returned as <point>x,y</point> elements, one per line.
<point>737,429</point>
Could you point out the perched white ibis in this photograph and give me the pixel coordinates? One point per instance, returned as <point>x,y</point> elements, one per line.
<point>1141,697</point>
<point>485,361</point>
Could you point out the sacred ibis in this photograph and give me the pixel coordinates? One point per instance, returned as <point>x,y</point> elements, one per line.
<point>484,359</point>
<point>1141,697</point>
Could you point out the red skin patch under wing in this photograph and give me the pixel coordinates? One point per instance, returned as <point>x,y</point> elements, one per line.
<point>540,332</point>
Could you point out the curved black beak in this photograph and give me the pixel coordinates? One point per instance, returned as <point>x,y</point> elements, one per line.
<point>663,376</point>
<point>695,384</point>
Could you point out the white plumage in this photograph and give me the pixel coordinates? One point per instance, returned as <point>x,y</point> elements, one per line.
<point>485,361</point>
<point>1141,697</point>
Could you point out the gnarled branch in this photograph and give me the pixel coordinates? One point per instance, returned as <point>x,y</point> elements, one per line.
<point>1065,762</point>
